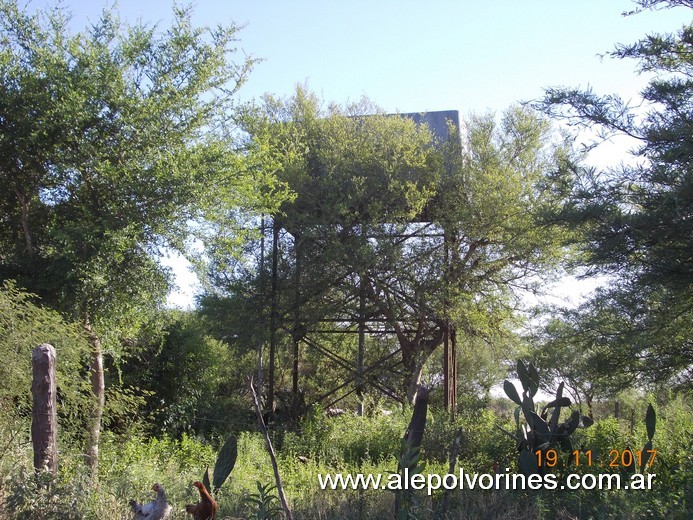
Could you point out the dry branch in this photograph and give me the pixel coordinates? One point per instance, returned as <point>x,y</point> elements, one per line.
<point>270,449</point>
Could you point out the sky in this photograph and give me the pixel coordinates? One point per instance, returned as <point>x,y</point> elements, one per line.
<point>415,56</point>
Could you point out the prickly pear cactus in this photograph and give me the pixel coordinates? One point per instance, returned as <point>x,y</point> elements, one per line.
<point>646,453</point>
<point>226,460</point>
<point>650,425</point>
<point>540,432</point>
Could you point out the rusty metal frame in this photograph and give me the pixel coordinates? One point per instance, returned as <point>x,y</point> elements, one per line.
<point>357,371</point>
<point>438,122</point>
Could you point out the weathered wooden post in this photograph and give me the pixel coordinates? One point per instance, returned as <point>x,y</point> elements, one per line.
<point>44,424</point>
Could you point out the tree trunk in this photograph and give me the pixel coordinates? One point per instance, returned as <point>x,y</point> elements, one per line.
<point>414,383</point>
<point>415,353</point>
<point>44,424</point>
<point>416,346</point>
<point>417,424</point>
<point>98,388</point>
<point>24,203</point>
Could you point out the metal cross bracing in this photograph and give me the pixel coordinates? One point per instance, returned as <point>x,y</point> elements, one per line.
<point>346,301</point>
<point>351,315</point>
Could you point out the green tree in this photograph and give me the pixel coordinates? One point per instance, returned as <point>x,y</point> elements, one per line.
<point>114,145</point>
<point>375,197</point>
<point>192,382</point>
<point>573,358</point>
<point>637,219</point>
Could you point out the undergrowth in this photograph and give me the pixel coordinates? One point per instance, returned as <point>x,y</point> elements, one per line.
<point>129,465</point>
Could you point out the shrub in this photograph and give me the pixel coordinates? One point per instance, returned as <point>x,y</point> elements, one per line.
<point>349,439</point>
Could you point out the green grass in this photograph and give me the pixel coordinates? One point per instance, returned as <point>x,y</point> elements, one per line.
<point>129,465</point>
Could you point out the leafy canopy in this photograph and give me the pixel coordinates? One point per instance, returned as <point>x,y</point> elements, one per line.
<point>638,219</point>
<point>24,325</point>
<point>115,144</point>
<point>375,195</point>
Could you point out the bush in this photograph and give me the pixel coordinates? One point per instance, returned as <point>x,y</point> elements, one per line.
<point>44,497</point>
<point>192,383</point>
<point>351,444</point>
<point>348,438</point>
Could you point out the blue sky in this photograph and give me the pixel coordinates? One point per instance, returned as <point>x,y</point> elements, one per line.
<point>415,56</point>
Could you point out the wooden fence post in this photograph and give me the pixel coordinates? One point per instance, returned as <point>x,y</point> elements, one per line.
<point>44,424</point>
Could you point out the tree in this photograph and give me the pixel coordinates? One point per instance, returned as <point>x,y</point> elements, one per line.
<point>572,359</point>
<point>115,143</point>
<point>408,231</point>
<point>190,381</point>
<point>637,219</point>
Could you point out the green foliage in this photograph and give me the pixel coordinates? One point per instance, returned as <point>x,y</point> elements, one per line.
<point>674,438</point>
<point>41,497</point>
<point>129,150</point>
<point>408,463</point>
<point>114,145</point>
<point>123,456</point>
<point>190,381</point>
<point>350,438</point>
<point>264,505</point>
<point>375,194</point>
<point>115,148</point>
<point>23,326</point>
<point>574,358</point>
<point>132,463</point>
<point>606,435</point>
<point>636,219</point>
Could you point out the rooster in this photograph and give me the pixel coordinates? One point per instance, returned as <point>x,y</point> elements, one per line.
<point>158,509</point>
<point>206,508</point>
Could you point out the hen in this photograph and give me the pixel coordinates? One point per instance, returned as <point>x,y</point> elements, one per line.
<point>206,508</point>
<point>158,509</point>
